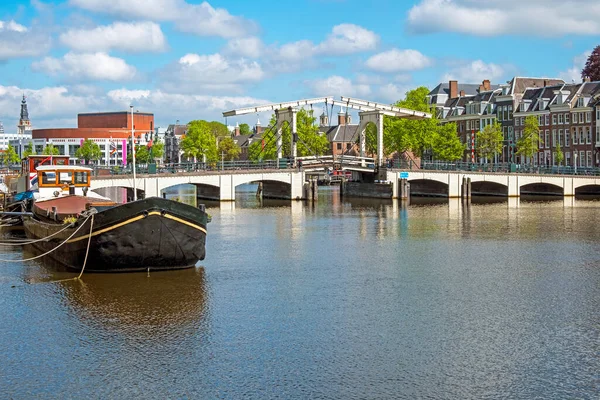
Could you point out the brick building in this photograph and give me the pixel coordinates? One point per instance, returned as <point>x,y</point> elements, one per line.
<point>110,130</point>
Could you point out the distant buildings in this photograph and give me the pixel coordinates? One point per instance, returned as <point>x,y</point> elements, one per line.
<point>23,129</point>
<point>568,117</point>
<point>110,130</point>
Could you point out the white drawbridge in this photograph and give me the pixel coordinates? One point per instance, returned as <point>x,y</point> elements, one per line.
<point>369,112</point>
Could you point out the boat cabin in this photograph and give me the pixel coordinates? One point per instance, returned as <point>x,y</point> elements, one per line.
<point>62,180</point>
<point>29,165</point>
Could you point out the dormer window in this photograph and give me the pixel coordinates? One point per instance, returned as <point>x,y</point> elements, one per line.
<point>523,109</point>
<point>580,102</point>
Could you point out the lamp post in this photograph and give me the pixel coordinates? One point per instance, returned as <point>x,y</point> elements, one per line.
<point>133,156</point>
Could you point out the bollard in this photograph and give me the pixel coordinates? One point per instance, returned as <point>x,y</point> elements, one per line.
<point>469,188</point>
<point>315,190</point>
<point>259,190</point>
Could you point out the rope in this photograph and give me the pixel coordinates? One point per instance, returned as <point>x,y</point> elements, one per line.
<point>88,248</point>
<point>50,251</point>
<point>19,242</point>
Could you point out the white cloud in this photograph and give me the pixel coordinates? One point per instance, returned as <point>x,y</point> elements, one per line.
<point>57,107</point>
<point>44,104</point>
<point>201,19</point>
<point>134,37</point>
<point>214,72</point>
<point>502,17</point>
<point>344,39</point>
<point>348,39</point>
<point>18,41</point>
<point>391,92</point>
<point>396,60</point>
<point>476,71</point>
<point>338,86</point>
<point>94,66</point>
<point>251,47</point>
<point>12,26</point>
<point>573,74</point>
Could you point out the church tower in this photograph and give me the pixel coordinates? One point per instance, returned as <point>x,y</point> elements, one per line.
<point>24,122</point>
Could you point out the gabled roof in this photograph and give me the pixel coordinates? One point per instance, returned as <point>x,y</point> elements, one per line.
<point>519,84</point>
<point>340,133</point>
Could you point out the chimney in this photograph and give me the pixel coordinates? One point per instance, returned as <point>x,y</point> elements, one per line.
<point>341,117</point>
<point>462,93</point>
<point>486,85</point>
<point>453,86</point>
<point>587,79</point>
<point>481,88</point>
<point>545,83</point>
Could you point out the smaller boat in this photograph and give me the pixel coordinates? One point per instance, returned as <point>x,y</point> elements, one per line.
<point>75,226</point>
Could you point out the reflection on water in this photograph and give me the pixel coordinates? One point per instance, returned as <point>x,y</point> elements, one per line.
<point>139,305</point>
<point>340,299</point>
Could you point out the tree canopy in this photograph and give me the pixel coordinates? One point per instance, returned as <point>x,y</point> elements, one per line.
<point>419,136</point>
<point>28,150</point>
<point>592,66</point>
<point>50,150</point>
<point>199,142</point>
<point>245,129</point>
<point>88,151</point>
<point>158,149</point>
<point>489,141</point>
<point>10,156</point>
<point>309,143</point>
<point>559,157</point>
<point>228,149</point>
<point>528,143</point>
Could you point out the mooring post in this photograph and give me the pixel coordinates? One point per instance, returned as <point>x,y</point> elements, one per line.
<point>469,188</point>
<point>315,190</point>
<point>259,190</point>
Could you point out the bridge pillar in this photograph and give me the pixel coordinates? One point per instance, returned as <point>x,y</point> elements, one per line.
<point>569,186</point>
<point>151,187</point>
<point>453,186</point>
<point>226,188</point>
<point>375,117</point>
<point>297,183</point>
<point>513,186</point>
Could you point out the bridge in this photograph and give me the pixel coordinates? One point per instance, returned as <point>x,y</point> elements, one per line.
<point>212,185</point>
<point>456,184</point>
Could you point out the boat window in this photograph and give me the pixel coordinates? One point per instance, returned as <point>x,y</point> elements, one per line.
<point>49,177</point>
<point>59,161</point>
<point>66,177</point>
<point>81,177</point>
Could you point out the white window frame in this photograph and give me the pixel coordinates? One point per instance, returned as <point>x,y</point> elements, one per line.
<point>560,119</point>
<point>574,118</point>
<point>553,119</point>
<point>588,116</point>
<point>567,118</point>
<point>575,135</point>
<point>567,138</point>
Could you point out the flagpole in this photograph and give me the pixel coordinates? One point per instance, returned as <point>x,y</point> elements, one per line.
<point>133,156</point>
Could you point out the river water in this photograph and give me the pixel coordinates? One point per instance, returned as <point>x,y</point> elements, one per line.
<point>352,299</point>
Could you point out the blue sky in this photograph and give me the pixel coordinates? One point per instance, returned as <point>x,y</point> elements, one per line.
<point>187,59</point>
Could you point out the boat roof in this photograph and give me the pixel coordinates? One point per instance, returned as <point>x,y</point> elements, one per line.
<point>62,168</point>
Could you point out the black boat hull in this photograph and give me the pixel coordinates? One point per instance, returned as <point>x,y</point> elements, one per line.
<point>148,234</point>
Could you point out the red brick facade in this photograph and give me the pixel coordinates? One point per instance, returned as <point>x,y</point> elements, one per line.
<point>141,121</point>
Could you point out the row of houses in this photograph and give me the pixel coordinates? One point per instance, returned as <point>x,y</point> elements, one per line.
<point>568,115</point>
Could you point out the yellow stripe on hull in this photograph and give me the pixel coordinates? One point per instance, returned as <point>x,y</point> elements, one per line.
<point>134,219</point>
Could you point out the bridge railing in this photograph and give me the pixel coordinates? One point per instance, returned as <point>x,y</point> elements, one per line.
<point>508,168</point>
<point>104,170</point>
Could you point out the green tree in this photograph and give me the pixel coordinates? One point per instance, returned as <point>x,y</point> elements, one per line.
<point>229,149</point>
<point>218,129</point>
<point>528,143</point>
<point>559,157</point>
<point>10,156</point>
<point>309,143</point>
<point>419,136</point>
<point>371,139</point>
<point>158,149</point>
<point>50,150</point>
<point>489,141</point>
<point>142,155</point>
<point>446,144</point>
<point>199,142</point>
<point>245,129</point>
<point>89,151</point>
<point>28,150</point>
